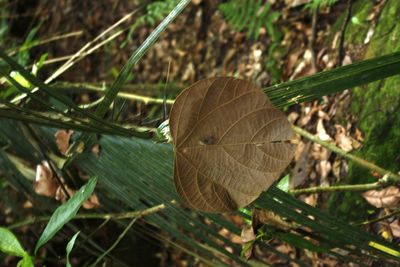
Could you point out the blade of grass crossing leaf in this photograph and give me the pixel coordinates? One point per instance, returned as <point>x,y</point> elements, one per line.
<point>69,247</point>
<point>66,212</point>
<point>136,56</point>
<point>337,239</point>
<point>333,81</point>
<point>333,228</point>
<point>46,121</point>
<point>66,101</point>
<point>348,229</point>
<point>46,104</point>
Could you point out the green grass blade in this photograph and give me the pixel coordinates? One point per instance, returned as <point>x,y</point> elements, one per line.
<point>66,212</point>
<point>334,81</point>
<point>69,247</point>
<point>136,56</point>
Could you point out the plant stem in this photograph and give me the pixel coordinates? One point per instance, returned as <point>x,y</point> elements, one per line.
<point>136,97</point>
<point>391,177</point>
<point>123,215</point>
<point>120,237</point>
<point>336,188</point>
<point>387,216</point>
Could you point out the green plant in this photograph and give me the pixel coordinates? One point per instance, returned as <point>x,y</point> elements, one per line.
<point>155,11</point>
<point>317,4</point>
<point>252,16</point>
<point>135,173</point>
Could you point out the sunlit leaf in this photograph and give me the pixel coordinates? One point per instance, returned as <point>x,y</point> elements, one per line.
<point>70,245</point>
<point>9,243</point>
<point>230,142</point>
<point>66,212</point>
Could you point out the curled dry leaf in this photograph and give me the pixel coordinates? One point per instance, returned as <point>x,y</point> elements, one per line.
<point>395,228</point>
<point>62,140</point>
<point>230,144</point>
<point>248,237</point>
<point>45,183</point>
<point>261,217</point>
<point>92,203</point>
<point>388,197</point>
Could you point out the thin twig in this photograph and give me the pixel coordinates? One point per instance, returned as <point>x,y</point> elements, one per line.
<point>387,216</point>
<point>313,38</point>
<point>130,96</point>
<point>340,52</point>
<point>120,237</point>
<point>13,51</point>
<point>391,177</point>
<point>81,53</point>
<point>340,188</point>
<point>123,215</point>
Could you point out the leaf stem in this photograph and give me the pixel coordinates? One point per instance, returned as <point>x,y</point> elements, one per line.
<point>126,95</point>
<point>336,188</point>
<point>122,215</point>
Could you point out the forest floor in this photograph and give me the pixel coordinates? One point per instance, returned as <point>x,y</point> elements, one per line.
<point>201,43</point>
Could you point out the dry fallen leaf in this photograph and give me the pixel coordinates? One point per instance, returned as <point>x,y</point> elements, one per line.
<point>388,197</point>
<point>261,217</point>
<point>248,238</point>
<point>395,228</point>
<point>92,203</point>
<point>45,183</point>
<point>62,140</point>
<point>231,144</point>
<point>342,139</point>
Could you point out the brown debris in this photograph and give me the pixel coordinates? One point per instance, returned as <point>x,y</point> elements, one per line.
<point>388,197</point>
<point>63,140</point>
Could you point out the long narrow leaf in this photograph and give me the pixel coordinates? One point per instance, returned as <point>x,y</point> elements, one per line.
<point>333,81</point>
<point>70,245</point>
<point>66,212</point>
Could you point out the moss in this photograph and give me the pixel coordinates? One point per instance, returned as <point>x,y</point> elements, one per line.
<point>377,107</point>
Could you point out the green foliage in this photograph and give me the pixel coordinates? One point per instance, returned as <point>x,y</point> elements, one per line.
<point>10,245</point>
<point>155,11</point>
<point>66,212</point>
<point>283,183</point>
<point>70,245</point>
<point>252,16</point>
<point>375,107</point>
<point>317,4</point>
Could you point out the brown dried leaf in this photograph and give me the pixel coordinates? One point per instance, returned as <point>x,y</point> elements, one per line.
<point>45,184</point>
<point>92,203</point>
<point>261,216</point>
<point>230,144</point>
<point>62,140</point>
<point>395,228</point>
<point>388,197</point>
<point>342,139</point>
<point>60,193</point>
<point>248,238</point>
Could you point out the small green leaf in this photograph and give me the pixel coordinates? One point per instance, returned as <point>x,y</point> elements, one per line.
<point>284,183</point>
<point>66,212</point>
<point>20,79</point>
<point>26,261</point>
<point>9,243</point>
<point>70,245</point>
